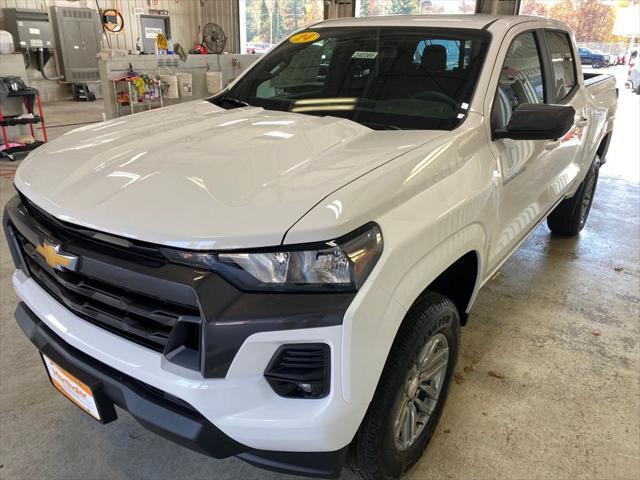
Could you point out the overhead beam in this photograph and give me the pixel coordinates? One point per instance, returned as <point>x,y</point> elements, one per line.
<point>339,8</point>
<point>498,7</point>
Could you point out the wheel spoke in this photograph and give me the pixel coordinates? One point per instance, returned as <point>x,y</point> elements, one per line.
<point>414,419</point>
<point>425,407</point>
<point>429,389</point>
<point>436,363</point>
<point>399,425</point>
<point>407,427</point>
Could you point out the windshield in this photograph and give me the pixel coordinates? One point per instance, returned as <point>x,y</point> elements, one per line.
<point>384,78</point>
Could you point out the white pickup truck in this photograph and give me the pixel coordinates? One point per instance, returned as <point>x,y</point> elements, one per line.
<point>280,273</point>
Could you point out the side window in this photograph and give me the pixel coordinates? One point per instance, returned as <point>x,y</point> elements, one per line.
<point>520,81</point>
<point>563,64</point>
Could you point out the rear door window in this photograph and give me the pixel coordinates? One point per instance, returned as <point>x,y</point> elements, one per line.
<point>564,69</point>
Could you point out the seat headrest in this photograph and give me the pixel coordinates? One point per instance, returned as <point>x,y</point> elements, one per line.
<point>434,58</point>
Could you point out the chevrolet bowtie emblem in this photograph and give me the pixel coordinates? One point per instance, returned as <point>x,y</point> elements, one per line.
<point>55,258</point>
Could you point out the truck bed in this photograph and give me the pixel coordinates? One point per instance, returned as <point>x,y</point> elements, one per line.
<point>590,78</point>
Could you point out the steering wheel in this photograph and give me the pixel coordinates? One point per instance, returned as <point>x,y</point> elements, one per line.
<point>437,97</point>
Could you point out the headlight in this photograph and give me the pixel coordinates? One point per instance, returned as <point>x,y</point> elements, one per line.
<point>341,264</point>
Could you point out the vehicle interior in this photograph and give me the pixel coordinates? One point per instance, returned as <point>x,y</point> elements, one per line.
<point>384,79</point>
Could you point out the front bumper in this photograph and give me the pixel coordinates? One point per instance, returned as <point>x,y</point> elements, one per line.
<point>171,417</point>
<point>242,405</point>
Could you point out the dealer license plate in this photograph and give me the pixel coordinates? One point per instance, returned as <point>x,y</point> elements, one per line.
<point>72,388</point>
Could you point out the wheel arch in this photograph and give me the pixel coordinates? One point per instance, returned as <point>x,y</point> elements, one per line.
<point>369,335</point>
<point>603,147</point>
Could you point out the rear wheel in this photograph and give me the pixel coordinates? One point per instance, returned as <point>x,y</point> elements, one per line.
<point>411,393</point>
<point>570,216</point>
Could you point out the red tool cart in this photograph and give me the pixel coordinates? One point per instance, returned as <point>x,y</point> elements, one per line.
<point>31,99</point>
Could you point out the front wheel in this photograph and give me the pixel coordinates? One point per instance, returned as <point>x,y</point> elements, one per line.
<point>411,393</point>
<point>596,64</point>
<point>570,216</point>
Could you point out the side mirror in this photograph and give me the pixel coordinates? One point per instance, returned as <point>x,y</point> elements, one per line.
<point>538,121</point>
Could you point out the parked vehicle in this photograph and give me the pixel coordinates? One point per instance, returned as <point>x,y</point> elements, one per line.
<point>624,57</point>
<point>259,47</point>
<point>593,57</point>
<point>280,273</point>
<point>633,80</point>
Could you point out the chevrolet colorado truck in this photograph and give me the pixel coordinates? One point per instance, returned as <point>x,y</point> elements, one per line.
<point>280,272</point>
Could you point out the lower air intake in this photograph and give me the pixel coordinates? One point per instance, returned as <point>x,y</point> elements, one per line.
<point>300,371</point>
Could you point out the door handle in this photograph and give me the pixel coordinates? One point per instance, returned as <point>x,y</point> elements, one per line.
<point>582,122</point>
<point>551,144</point>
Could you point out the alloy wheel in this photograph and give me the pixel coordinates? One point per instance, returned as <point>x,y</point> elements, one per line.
<point>421,391</point>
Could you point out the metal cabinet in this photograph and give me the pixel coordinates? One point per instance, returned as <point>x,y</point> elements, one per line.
<point>77,37</point>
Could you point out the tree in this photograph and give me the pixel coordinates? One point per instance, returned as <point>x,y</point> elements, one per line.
<point>376,7</point>
<point>591,20</point>
<point>534,7</point>
<point>403,7</point>
<point>364,8</point>
<point>427,6</point>
<point>466,7</point>
<point>277,25</point>
<point>265,19</point>
<point>314,12</point>
<point>252,23</point>
<point>595,21</point>
<point>295,16</point>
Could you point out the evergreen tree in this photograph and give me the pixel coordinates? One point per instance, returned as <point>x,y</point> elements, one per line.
<point>364,8</point>
<point>265,19</point>
<point>253,25</point>
<point>277,25</point>
<point>295,14</point>
<point>403,7</point>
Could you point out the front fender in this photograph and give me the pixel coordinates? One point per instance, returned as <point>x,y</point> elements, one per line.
<point>371,323</point>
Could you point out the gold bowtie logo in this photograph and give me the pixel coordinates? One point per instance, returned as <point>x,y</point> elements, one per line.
<point>55,258</point>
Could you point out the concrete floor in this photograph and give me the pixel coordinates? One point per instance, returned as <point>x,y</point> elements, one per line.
<point>548,384</point>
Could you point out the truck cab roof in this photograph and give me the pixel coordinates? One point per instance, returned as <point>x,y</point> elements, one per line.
<point>480,21</point>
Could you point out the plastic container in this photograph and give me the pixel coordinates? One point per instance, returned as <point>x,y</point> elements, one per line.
<point>6,42</point>
<point>185,85</point>
<point>171,81</point>
<point>214,82</point>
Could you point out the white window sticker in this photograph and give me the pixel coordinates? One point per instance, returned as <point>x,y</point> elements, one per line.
<point>34,31</point>
<point>152,33</point>
<point>365,55</point>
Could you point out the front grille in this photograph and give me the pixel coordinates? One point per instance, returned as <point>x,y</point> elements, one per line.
<point>133,314</point>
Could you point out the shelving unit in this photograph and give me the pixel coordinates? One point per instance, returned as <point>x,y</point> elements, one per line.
<point>30,100</point>
<point>128,88</point>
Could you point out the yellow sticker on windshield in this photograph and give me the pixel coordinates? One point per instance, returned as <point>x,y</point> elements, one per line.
<point>304,37</point>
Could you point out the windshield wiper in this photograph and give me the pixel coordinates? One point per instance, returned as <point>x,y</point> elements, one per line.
<point>381,126</point>
<point>236,102</point>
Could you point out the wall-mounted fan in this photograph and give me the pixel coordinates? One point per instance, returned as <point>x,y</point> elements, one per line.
<point>214,38</point>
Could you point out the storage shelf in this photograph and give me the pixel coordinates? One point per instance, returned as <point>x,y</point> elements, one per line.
<point>10,120</point>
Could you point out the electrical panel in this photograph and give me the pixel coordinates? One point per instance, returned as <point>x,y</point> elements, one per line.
<point>30,28</point>
<point>78,41</point>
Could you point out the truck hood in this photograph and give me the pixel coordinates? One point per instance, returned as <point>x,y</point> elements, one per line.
<point>200,177</point>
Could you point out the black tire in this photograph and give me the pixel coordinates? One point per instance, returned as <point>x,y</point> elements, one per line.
<point>373,453</point>
<point>596,64</point>
<point>570,216</point>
